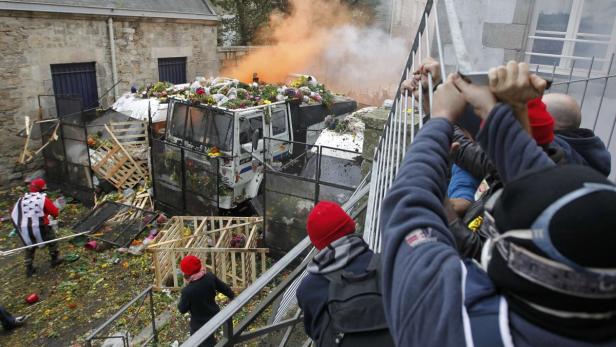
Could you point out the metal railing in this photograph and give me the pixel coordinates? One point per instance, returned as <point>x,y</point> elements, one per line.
<point>102,332</point>
<point>407,114</point>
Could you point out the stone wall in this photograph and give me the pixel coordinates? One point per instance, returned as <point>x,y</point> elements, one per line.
<point>375,121</point>
<point>229,57</point>
<point>32,42</point>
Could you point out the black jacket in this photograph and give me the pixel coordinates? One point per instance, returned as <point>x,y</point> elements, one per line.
<point>198,297</point>
<point>470,156</point>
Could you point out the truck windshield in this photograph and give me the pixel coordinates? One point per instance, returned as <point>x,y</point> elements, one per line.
<point>219,130</point>
<point>201,126</point>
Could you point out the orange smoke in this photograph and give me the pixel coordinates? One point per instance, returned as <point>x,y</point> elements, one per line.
<point>299,38</point>
<point>329,40</point>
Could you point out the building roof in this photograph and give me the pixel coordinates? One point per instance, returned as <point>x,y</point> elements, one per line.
<point>176,9</point>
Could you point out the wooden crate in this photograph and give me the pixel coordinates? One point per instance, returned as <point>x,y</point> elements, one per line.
<point>209,239</point>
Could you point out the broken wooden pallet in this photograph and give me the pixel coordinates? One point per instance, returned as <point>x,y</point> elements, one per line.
<point>27,155</point>
<point>133,136</point>
<point>114,163</point>
<point>116,166</point>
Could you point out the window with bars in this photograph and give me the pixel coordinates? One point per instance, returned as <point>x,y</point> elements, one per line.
<point>172,70</point>
<point>573,34</point>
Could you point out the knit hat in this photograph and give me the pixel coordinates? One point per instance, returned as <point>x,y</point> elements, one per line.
<point>583,231</point>
<point>190,265</point>
<point>328,222</point>
<point>38,185</point>
<point>541,122</point>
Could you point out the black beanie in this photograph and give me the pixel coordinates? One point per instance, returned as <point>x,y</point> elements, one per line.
<point>583,231</point>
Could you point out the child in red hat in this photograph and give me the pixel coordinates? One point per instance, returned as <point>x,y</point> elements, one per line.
<point>198,297</point>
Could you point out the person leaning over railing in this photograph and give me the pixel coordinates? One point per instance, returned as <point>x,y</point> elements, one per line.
<point>548,272</point>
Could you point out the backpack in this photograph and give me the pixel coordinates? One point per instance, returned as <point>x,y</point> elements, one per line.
<point>355,307</point>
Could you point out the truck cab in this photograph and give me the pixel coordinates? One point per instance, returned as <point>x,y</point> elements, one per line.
<point>236,139</point>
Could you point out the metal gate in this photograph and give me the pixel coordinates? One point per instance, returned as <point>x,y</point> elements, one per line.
<point>294,185</point>
<point>172,70</point>
<point>76,79</point>
<point>67,160</point>
<point>184,181</point>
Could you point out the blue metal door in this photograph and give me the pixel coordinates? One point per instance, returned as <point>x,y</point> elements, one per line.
<point>77,79</point>
<point>172,70</point>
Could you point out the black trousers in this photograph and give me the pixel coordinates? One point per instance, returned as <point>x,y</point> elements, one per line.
<point>47,234</point>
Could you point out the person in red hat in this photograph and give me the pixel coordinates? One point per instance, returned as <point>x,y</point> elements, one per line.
<point>198,296</point>
<point>343,258</point>
<point>30,217</point>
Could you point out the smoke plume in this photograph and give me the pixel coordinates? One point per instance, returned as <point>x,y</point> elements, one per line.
<point>326,39</point>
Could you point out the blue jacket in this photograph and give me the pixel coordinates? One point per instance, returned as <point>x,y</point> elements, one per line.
<point>313,294</point>
<point>429,293</point>
<point>582,146</point>
<point>462,184</point>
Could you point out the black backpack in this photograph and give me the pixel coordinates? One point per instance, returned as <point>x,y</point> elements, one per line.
<point>355,307</point>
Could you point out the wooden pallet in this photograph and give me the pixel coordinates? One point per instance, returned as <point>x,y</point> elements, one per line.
<point>117,167</point>
<point>209,239</point>
<point>133,136</point>
<point>114,163</point>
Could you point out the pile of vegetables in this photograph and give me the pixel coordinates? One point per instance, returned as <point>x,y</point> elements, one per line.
<point>233,94</point>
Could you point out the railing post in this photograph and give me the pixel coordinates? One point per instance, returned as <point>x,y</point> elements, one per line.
<point>151,293</point>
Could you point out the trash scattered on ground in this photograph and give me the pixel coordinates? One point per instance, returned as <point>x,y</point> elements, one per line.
<point>32,298</point>
<point>91,245</point>
<point>71,257</point>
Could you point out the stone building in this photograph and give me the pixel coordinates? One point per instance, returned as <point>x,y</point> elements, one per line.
<point>85,47</point>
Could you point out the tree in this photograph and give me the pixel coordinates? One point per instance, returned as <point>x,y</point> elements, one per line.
<point>242,19</point>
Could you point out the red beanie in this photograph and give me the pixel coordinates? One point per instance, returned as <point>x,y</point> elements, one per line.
<point>190,265</point>
<point>541,122</point>
<point>327,222</point>
<point>37,185</point>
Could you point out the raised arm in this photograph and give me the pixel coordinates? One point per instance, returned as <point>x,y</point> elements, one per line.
<point>422,270</point>
<point>510,148</point>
